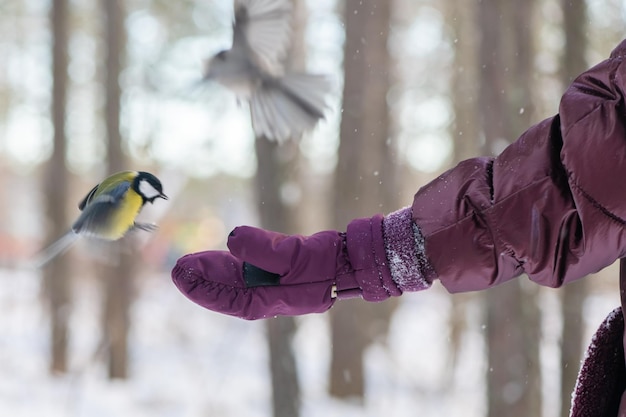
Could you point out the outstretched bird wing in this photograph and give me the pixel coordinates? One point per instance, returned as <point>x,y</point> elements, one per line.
<point>98,212</point>
<point>83,203</point>
<point>105,185</point>
<point>263,27</point>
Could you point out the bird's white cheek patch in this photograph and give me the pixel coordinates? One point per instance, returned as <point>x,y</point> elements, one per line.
<point>147,189</point>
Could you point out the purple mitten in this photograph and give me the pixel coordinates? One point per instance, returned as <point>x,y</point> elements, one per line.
<point>267,273</point>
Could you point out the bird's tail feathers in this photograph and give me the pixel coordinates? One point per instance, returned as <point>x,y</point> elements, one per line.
<point>311,90</point>
<point>57,248</point>
<point>287,107</point>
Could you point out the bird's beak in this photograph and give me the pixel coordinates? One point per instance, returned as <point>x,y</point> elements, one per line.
<point>163,196</point>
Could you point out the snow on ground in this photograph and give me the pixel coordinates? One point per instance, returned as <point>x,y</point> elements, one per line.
<point>189,362</point>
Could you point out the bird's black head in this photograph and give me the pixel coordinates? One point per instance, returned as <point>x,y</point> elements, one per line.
<point>148,187</point>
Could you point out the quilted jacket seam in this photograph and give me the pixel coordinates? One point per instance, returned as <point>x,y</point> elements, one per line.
<point>597,205</point>
<point>606,99</point>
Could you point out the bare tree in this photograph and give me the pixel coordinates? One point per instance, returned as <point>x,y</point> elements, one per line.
<point>119,277</point>
<point>275,163</point>
<point>572,295</point>
<point>57,273</point>
<point>465,130</point>
<point>365,177</point>
<point>276,166</point>
<point>513,320</point>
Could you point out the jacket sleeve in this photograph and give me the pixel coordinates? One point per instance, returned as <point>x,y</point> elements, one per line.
<point>552,205</point>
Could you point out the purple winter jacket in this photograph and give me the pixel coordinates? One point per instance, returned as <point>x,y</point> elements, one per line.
<point>552,205</point>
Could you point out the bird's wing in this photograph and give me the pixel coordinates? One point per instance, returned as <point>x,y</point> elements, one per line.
<point>99,210</point>
<point>105,185</point>
<point>83,203</point>
<point>263,27</point>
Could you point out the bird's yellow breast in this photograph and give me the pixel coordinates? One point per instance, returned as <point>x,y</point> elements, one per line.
<point>124,217</point>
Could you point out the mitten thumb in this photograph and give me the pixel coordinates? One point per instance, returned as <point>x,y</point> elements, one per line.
<point>270,251</point>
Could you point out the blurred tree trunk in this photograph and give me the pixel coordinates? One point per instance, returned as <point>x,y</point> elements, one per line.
<point>275,164</point>
<point>57,273</point>
<point>276,167</point>
<point>465,131</point>
<point>118,277</point>
<point>365,178</point>
<point>513,318</point>
<point>572,295</point>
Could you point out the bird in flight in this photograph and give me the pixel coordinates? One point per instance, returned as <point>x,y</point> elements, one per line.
<point>283,104</point>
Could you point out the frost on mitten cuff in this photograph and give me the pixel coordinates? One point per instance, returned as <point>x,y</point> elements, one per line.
<point>602,380</point>
<point>404,246</point>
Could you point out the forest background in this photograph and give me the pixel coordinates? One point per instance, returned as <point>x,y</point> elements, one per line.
<point>92,87</point>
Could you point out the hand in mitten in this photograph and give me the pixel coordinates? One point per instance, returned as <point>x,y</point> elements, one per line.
<point>266,274</point>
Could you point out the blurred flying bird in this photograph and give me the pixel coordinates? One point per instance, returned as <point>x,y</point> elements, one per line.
<point>283,104</point>
<point>109,210</point>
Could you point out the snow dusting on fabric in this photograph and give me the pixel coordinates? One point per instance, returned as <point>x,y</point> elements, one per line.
<point>601,379</point>
<point>405,249</point>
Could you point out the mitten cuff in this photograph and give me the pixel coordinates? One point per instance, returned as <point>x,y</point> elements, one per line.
<point>366,251</point>
<point>404,246</point>
<point>599,386</point>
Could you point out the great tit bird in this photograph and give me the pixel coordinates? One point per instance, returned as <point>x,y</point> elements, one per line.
<point>282,104</point>
<point>109,210</point>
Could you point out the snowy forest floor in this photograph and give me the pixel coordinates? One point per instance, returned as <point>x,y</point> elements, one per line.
<point>189,362</point>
